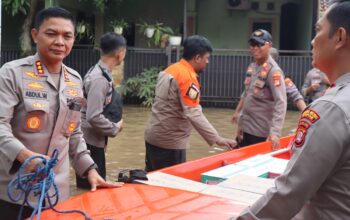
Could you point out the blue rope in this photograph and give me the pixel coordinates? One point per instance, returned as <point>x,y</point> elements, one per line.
<point>37,183</point>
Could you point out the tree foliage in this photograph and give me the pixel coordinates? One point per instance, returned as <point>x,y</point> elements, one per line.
<point>142,85</point>
<point>15,6</point>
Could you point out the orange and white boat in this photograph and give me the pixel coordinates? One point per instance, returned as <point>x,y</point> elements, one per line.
<point>184,199</point>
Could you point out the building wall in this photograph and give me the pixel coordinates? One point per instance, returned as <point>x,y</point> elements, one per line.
<point>231,28</point>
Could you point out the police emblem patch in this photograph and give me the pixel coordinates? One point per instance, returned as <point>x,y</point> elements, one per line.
<point>311,115</point>
<point>301,132</point>
<point>193,92</point>
<point>33,122</point>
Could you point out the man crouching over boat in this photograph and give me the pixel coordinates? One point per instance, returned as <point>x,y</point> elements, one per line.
<point>316,182</point>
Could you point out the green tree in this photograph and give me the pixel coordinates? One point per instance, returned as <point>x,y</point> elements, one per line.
<point>27,7</point>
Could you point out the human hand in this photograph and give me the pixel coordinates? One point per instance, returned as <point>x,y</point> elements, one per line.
<point>120,125</point>
<point>32,164</point>
<point>228,143</point>
<point>275,141</point>
<point>315,86</point>
<point>96,180</point>
<point>234,118</point>
<point>239,135</point>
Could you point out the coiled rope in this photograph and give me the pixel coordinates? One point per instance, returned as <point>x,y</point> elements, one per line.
<point>37,184</point>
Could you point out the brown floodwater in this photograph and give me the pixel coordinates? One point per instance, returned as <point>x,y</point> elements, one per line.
<point>127,150</point>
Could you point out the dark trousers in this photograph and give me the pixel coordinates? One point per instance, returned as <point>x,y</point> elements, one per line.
<point>10,211</point>
<point>157,157</point>
<point>98,155</point>
<point>249,139</point>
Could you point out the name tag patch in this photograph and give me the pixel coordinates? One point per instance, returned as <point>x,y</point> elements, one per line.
<point>36,94</point>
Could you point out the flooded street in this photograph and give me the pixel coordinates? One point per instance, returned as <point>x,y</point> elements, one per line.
<point>127,150</point>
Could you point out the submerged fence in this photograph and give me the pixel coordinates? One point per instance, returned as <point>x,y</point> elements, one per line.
<point>221,82</point>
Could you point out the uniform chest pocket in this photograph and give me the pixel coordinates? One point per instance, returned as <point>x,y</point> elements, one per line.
<point>37,112</point>
<point>72,118</point>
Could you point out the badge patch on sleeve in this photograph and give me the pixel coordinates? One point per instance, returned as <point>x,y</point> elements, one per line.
<point>276,77</point>
<point>289,83</point>
<point>311,115</point>
<point>301,132</point>
<point>193,92</point>
<point>308,117</point>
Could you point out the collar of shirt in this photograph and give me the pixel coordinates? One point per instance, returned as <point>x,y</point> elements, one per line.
<point>105,68</point>
<point>343,79</point>
<point>188,66</point>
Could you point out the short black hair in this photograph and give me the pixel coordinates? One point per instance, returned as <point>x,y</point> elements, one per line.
<point>196,45</point>
<point>52,12</point>
<point>110,42</point>
<point>339,16</point>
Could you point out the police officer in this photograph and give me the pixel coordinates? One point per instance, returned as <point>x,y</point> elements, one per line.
<point>176,109</point>
<point>316,182</point>
<point>315,84</point>
<point>40,111</point>
<point>262,107</point>
<point>293,93</point>
<point>98,89</point>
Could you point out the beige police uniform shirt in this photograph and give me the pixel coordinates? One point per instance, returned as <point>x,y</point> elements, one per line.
<point>95,126</point>
<point>172,119</point>
<point>293,93</point>
<point>265,101</point>
<point>312,77</point>
<point>316,182</point>
<point>36,115</point>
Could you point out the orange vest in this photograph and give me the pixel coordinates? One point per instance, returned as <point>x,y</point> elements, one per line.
<point>187,81</point>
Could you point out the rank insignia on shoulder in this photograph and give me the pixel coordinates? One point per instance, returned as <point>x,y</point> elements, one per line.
<point>39,67</point>
<point>71,127</point>
<point>65,75</point>
<point>276,77</point>
<point>263,74</point>
<point>192,92</point>
<point>311,115</point>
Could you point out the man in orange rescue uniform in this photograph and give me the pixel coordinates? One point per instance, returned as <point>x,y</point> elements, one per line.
<point>176,109</point>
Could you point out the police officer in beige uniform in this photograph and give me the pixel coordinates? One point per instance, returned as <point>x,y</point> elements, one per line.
<point>176,109</point>
<point>263,104</point>
<point>293,93</point>
<point>98,88</point>
<point>316,182</point>
<point>40,111</point>
<point>315,84</point>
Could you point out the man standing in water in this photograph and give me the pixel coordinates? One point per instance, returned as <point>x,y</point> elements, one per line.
<point>99,90</point>
<point>263,104</point>
<point>176,109</point>
<point>316,182</point>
